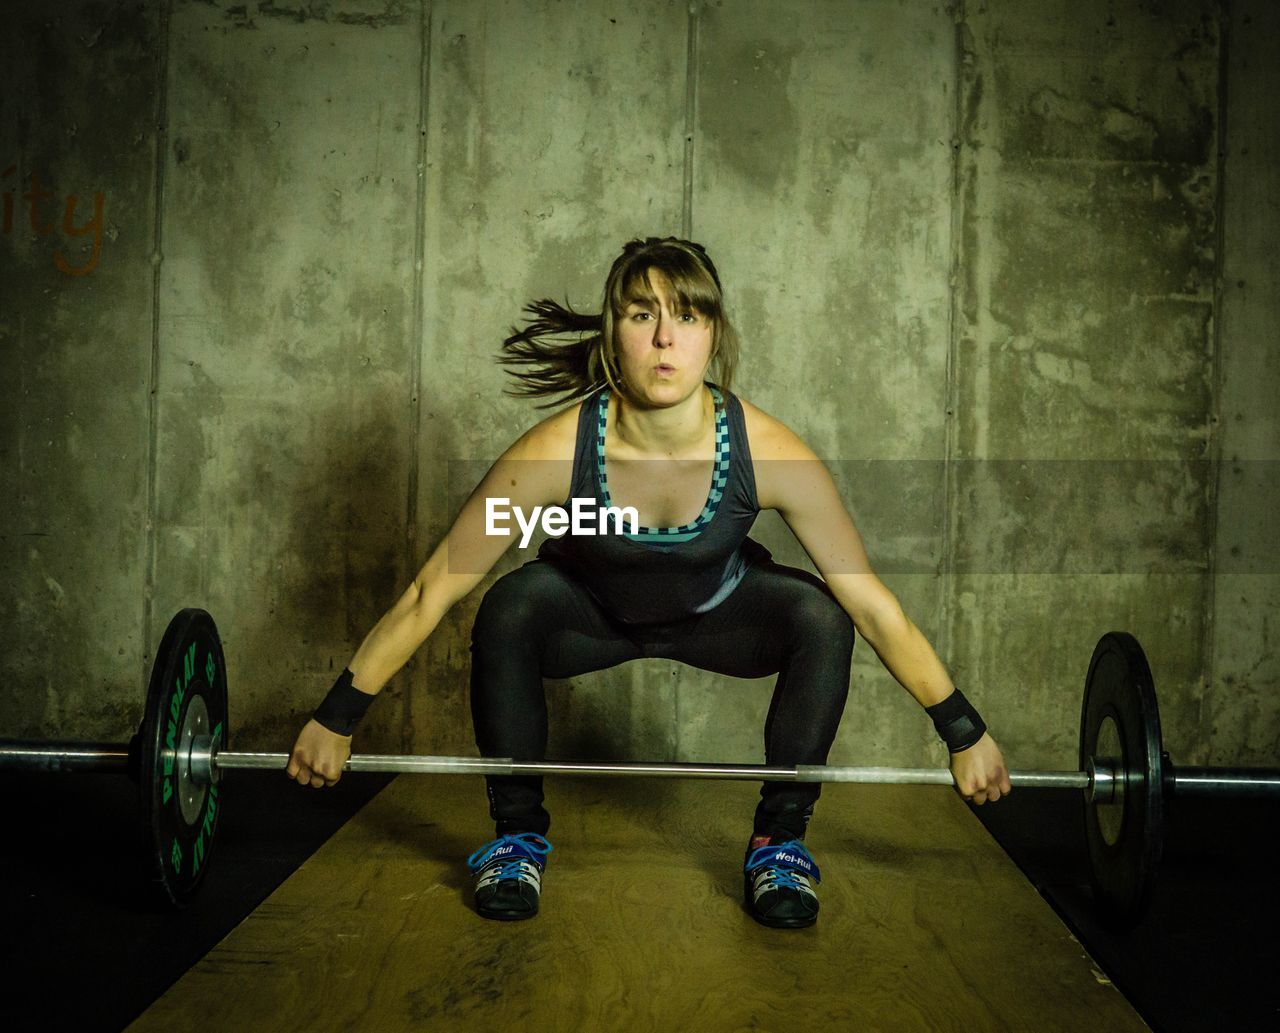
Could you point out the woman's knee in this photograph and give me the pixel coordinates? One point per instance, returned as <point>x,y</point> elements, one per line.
<point>816,616</point>
<point>514,606</point>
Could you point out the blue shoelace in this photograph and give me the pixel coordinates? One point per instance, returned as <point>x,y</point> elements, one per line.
<point>525,846</point>
<point>783,875</point>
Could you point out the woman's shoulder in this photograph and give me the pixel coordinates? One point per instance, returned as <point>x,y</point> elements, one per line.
<point>771,438</point>
<point>554,437</point>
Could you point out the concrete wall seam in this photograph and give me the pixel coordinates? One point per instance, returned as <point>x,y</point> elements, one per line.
<point>412,559</point>
<point>690,118</point>
<point>161,131</point>
<point>946,571</point>
<point>1213,418</point>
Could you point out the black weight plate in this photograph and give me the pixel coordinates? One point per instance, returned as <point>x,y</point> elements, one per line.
<point>1125,839</point>
<point>187,695</point>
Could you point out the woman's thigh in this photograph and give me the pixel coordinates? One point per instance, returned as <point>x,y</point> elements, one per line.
<point>540,611</point>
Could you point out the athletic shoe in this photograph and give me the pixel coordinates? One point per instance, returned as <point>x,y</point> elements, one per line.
<point>508,875</point>
<point>779,886</point>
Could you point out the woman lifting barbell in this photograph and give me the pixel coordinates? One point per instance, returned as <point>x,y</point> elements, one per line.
<point>649,430</point>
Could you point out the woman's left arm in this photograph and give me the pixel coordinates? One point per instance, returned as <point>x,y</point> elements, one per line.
<point>794,481</point>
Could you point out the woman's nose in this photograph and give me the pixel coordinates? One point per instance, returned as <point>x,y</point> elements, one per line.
<point>662,333</point>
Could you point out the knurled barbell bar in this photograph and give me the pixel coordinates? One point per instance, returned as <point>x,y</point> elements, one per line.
<point>179,754</point>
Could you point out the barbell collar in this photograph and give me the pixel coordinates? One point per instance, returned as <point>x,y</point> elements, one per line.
<point>1104,785</point>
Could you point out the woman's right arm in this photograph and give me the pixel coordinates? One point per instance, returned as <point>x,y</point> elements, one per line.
<point>524,476</point>
<point>535,471</point>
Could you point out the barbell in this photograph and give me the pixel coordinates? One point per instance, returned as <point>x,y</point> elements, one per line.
<point>179,754</point>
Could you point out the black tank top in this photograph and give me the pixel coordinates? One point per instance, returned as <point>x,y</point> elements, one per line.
<point>666,574</point>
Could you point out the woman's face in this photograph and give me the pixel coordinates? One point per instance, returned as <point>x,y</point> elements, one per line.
<point>664,353</point>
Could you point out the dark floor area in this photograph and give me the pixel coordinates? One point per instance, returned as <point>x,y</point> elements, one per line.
<point>85,948</point>
<point>1204,957</point>
<point>86,945</point>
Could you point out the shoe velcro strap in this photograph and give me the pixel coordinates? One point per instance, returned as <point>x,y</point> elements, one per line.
<point>791,856</point>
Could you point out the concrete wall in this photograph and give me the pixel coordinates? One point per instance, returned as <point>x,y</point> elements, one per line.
<point>822,172</point>
<point>986,259</point>
<point>78,112</point>
<point>1239,717</point>
<point>1084,355</point>
<point>286,368</point>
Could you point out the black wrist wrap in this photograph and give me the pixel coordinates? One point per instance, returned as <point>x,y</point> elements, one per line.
<point>345,705</point>
<point>959,725</point>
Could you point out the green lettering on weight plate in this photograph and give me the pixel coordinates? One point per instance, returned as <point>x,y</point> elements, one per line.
<point>175,701</point>
<point>171,728</point>
<point>206,828</point>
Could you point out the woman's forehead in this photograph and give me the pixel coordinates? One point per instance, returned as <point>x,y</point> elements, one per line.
<point>645,285</point>
<point>652,286</point>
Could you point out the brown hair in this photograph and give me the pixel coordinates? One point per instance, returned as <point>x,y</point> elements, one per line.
<point>570,354</point>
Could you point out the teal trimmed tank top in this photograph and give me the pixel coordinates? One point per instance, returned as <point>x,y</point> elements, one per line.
<point>660,575</point>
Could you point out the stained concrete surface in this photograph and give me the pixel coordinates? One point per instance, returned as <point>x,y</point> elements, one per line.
<point>976,240</point>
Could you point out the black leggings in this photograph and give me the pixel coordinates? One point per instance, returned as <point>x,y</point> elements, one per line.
<point>538,622</point>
